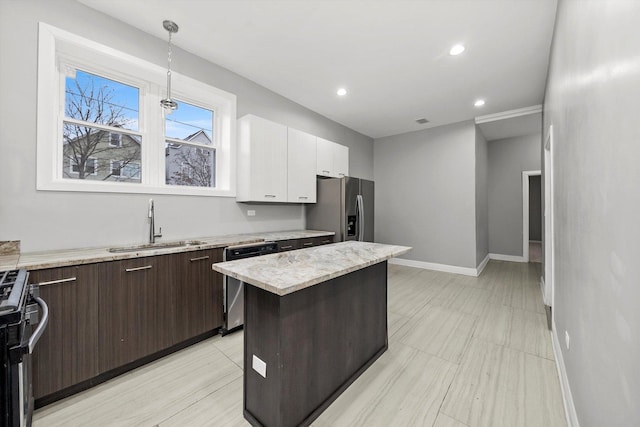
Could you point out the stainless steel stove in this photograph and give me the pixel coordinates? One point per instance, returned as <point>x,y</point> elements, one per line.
<point>19,303</point>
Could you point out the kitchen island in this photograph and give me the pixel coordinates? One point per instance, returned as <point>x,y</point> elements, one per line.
<point>315,320</point>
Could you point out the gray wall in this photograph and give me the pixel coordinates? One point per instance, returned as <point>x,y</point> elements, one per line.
<point>425,193</point>
<point>535,208</point>
<point>592,102</point>
<point>482,197</point>
<point>508,158</point>
<point>54,220</point>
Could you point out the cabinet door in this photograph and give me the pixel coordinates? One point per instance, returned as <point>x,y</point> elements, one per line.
<point>262,166</point>
<point>66,353</point>
<point>198,293</point>
<point>137,310</point>
<point>340,160</point>
<point>301,167</point>
<point>324,157</point>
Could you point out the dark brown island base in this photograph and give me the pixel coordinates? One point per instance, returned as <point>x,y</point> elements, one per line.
<point>315,320</point>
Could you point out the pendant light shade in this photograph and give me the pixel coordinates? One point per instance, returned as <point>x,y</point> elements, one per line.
<point>169,103</point>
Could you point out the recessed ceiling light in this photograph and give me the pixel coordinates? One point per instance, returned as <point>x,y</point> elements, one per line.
<point>456,50</point>
<point>341,92</point>
<point>479,103</point>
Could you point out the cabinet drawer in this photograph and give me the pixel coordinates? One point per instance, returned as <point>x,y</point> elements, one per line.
<point>324,240</point>
<point>288,245</point>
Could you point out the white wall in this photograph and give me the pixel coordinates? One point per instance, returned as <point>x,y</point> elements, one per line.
<point>55,220</point>
<point>482,197</point>
<point>508,158</point>
<point>425,193</point>
<point>592,102</point>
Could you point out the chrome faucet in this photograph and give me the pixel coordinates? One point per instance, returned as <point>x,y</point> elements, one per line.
<point>152,223</point>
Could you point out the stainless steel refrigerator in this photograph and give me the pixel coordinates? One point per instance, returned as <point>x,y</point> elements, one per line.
<point>345,206</point>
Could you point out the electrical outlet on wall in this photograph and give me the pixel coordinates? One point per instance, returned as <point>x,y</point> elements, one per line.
<point>251,212</point>
<point>566,339</point>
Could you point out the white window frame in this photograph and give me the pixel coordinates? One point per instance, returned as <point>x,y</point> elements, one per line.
<point>59,49</point>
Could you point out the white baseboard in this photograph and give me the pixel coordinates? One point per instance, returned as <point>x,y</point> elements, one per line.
<point>482,265</point>
<point>542,289</point>
<point>467,271</point>
<point>512,258</point>
<point>567,398</point>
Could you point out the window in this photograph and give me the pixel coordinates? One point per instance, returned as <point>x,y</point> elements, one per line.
<point>95,107</point>
<point>83,169</point>
<point>190,152</point>
<point>110,133</point>
<point>115,139</point>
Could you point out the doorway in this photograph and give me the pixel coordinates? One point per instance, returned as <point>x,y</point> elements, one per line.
<point>531,216</point>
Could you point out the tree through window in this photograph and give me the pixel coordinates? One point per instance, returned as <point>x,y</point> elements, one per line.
<point>98,114</point>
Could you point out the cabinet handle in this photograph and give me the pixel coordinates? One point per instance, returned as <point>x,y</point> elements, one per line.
<point>303,197</point>
<point>308,244</point>
<point>270,195</point>
<point>200,258</point>
<point>326,171</point>
<point>55,282</point>
<point>341,174</point>
<point>326,241</point>
<point>287,247</point>
<point>146,267</point>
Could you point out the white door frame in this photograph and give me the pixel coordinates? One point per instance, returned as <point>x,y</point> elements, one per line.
<point>525,212</point>
<point>549,246</point>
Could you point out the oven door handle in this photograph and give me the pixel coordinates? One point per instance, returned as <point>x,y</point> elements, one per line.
<point>41,325</point>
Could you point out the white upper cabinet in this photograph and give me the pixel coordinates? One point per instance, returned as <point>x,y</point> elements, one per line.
<point>341,160</point>
<point>262,160</point>
<point>301,167</point>
<point>332,159</point>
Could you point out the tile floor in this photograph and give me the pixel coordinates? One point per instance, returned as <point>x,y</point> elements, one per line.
<point>463,351</point>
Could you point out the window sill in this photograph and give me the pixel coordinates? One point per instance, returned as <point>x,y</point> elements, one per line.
<point>98,187</point>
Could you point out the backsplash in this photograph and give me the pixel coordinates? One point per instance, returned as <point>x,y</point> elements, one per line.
<point>9,247</point>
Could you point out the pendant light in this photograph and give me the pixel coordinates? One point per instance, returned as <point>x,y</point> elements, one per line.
<point>168,103</point>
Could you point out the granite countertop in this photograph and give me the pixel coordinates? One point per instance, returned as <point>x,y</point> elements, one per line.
<point>287,272</point>
<point>66,257</point>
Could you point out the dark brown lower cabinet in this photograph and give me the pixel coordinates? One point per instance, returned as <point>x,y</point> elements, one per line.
<point>198,293</point>
<point>66,354</point>
<point>302,350</point>
<point>137,310</point>
<point>110,315</point>
<point>293,244</point>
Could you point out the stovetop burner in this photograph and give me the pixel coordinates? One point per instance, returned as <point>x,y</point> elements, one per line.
<point>13,290</point>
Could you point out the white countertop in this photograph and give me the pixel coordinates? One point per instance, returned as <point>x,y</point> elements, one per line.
<point>66,257</point>
<point>287,272</point>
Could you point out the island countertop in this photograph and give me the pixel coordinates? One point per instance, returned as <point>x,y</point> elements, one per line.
<point>287,272</point>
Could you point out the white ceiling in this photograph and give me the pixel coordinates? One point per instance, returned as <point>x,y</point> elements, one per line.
<point>391,55</point>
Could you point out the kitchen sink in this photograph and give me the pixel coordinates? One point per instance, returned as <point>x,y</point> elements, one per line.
<point>159,245</point>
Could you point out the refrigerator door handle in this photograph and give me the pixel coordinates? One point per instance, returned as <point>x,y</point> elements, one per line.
<point>360,204</point>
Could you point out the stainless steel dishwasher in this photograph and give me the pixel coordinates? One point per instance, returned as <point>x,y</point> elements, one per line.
<point>234,288</point>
